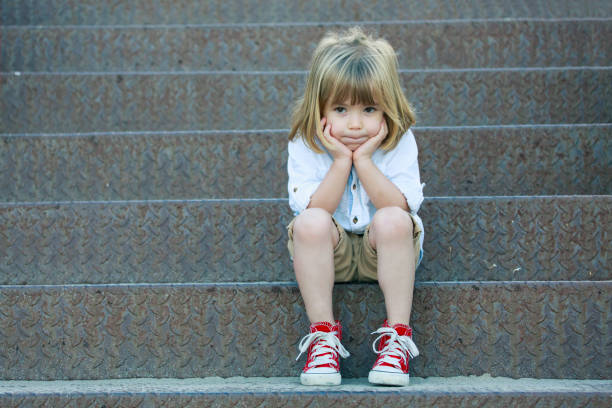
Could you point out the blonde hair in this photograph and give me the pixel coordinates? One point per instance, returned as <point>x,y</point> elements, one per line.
<point>352,65</point>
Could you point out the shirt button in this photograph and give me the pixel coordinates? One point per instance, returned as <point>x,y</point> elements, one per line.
<point>355,220</point>
<point>354,186</point>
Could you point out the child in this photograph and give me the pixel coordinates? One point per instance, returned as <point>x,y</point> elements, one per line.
<point>351,154</point>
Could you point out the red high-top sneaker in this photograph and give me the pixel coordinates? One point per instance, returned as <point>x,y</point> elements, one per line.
<point>323,345</point>
<point>394,350</point>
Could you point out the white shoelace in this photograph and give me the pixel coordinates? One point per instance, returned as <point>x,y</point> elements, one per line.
<point>323,351</point>
<point>397,346</point>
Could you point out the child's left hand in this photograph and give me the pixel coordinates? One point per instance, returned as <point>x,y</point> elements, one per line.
<point>367,149</point>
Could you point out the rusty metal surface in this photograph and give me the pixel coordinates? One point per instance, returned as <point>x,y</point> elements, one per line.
<point>222,11</point>
<point>130,102</point>
<point>153,242</point>
<point>313,400</point>
<point>147,166</point>
<point>539,238</point>
<point>456,44</point>
<point>519,161</point>
<point>288,392</point>
<point>550,238</point>
<point>456,386</point>
<point>454,161</point>
<point>520,329</point>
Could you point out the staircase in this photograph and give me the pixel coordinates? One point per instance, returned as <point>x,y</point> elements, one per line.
<point>143,203</point>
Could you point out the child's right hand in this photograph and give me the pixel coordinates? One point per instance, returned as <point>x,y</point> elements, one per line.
<point>335,147</point>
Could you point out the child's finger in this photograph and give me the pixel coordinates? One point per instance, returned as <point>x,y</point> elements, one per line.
<point>383,127</point>
<point>326,139</point>
<point>382,133</point>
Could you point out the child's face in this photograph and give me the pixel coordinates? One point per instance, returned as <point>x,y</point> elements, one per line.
<point>353,124</point>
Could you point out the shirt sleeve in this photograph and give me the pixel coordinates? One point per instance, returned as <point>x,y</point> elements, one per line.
<point>402,168</point>
<point>303,167</point>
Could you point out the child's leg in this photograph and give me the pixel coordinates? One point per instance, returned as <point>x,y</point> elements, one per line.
<point>314,238</point>
<point>391,236</point>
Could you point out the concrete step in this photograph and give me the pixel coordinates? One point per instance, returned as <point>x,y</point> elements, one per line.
<point>133,102</point>
<point>62,12</point>
<point>420,44</point>
<point>513,329</point>
<point>287,391</point>
<point>469,238</point>
<point>514,160</point>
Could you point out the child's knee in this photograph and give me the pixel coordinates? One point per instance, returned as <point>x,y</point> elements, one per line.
<point>313,224</point>
<point>392,223</point>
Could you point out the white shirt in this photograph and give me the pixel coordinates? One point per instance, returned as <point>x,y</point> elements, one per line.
<point>307,169</point>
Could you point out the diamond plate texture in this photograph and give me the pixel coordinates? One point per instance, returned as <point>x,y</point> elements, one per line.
<point>156,242</point>
<point>524,329</point>
<point>556,238</point>
<point>128,102</point>
<point>519,161</point>
<point>310,400</point>
<point>457,44</point>
<point>136,167</point>
<point>456,161</point>
<point>555,326</point>
<point>61,12</point>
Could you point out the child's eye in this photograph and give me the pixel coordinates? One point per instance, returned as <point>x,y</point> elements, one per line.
<point>340,109</point>
<point>370,109</point>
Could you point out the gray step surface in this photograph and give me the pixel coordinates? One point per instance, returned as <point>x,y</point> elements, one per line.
<point>287,392</point>
<point>424,44</point>
<point>512,329</point>
<point>61,12</point>
<point>466,238</point>
<point>103,102</point>
<point>513,160</point>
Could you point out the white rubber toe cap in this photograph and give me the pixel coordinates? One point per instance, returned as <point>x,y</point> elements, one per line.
<point>388,378</point>
<point>310,378</point>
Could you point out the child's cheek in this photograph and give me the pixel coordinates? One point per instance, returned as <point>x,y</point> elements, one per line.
<point>373,128</point>
<point>335,128</point>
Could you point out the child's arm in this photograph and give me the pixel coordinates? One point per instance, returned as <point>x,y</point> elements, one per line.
<point>315,180</point>
<point>330,191</point>
<point>400,184</point>
<point>382,192</point>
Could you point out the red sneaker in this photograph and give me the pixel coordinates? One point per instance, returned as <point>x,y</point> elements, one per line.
<point>394,350</point>
<point>323,345</point>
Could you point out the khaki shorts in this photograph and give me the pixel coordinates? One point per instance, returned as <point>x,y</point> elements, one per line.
<point>354,258</point>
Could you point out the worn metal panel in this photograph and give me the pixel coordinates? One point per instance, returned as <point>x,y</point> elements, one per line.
<point>505,238</point>
<point>521,329</point>
<point>144,242</point>
<point>453,161</point>
<point>61,12</point>
<point>144,166</point>
<point>425,44</point>
<point>311,400</point>
<point>247,100</point>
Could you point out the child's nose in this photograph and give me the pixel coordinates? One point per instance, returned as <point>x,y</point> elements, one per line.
<point>354,121</point>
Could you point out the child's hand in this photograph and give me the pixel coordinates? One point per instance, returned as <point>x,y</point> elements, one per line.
<point>335,147</point>
<point>366,150</point>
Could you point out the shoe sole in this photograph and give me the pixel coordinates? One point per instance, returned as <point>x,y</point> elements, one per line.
<point>320,379</point>
<point>385,378</point>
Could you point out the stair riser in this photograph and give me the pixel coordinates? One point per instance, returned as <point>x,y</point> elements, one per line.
<point>125,102</point>
<point>61,12</point>
<point>494,161</point>
<point>482,239</point>
<point>538,330</point>
<point>313,400</point>
<point>419,45</point>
